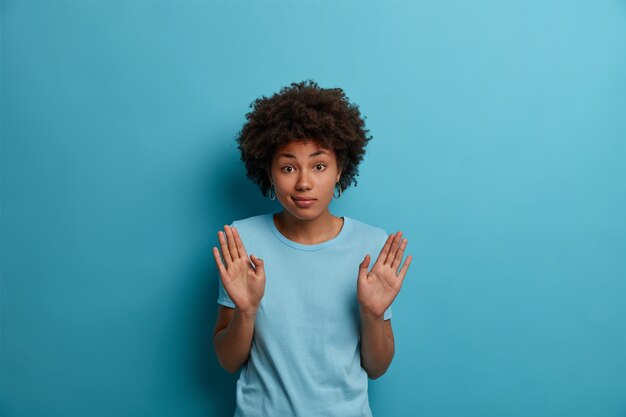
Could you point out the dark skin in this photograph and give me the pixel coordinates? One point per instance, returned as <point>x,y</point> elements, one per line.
<point>245,284</point>
<point>244,278</point>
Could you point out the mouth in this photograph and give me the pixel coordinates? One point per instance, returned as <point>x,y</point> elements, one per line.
<point>303,202</point>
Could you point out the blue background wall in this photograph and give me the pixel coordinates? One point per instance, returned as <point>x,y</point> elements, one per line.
<point>499,149</point>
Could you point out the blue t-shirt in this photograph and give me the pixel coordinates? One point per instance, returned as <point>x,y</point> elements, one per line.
<point>305,356</point>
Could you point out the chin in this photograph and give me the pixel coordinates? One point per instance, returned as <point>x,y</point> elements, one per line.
<point>304,213</point>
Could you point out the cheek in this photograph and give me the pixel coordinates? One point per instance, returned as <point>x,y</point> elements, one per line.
<point>330,186</point>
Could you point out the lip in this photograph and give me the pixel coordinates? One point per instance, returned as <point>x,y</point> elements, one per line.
<point>303,202</point>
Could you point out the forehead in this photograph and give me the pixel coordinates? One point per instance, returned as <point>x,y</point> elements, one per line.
<point>303,149</point>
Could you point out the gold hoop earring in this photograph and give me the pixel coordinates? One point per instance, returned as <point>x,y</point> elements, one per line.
<point>272,193</point>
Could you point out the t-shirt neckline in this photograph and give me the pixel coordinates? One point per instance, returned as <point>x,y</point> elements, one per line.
<point>301,246</point>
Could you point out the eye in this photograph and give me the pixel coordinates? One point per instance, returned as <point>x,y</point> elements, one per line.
<point>320,165</point>
<point>284,168</point>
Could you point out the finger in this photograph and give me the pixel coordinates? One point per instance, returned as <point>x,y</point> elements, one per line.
<point>383,252</point>
<point>218,261</point>
<point>405,268</point>
<point>363,265</point>
<point>399,255</point>
<point>225,252</point>
<point>393,249</point>
<point>238,242</point>
<point>232,247</point>
<point>259,266</point>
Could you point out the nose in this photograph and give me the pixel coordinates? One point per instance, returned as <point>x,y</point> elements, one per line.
<point>303,182</point>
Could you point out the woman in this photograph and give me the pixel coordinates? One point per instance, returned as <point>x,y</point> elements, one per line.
<point>302,316</point>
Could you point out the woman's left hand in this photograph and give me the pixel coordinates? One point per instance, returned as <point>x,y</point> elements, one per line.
<point>377,288</point>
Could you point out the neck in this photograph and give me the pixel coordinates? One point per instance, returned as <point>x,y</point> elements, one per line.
<point>308,231</point>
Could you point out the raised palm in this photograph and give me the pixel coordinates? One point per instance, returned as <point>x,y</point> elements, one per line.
<point>377,288</point>
<point>243,281</point>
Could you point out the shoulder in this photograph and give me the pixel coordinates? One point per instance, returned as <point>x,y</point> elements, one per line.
<point>253,231</point>
<point>363,229</point>
<point>252,221</point>
<point>253,225</point>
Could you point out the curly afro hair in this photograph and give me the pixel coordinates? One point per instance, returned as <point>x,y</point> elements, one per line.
<point>303,111</point>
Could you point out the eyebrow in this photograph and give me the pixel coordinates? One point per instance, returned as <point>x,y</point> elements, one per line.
<point>288,155</point>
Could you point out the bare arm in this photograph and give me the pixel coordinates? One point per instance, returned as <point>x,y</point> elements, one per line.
<point>376,290</point>
<point>232,337</point>
<point>243,279</point>
<point>377,345</point>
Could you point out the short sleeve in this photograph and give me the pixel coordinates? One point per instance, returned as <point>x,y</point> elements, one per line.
<point>388,313</point>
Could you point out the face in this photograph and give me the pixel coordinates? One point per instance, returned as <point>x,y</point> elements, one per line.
<point>304,176</point>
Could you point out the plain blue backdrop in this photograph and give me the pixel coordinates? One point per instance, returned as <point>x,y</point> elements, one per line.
<point>499,149</point>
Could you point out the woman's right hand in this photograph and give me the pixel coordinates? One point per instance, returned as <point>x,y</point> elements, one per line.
<point>243,281</point>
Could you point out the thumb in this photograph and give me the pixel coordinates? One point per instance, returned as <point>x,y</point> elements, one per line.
<point>258,263</point>
<point>363,266</point>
